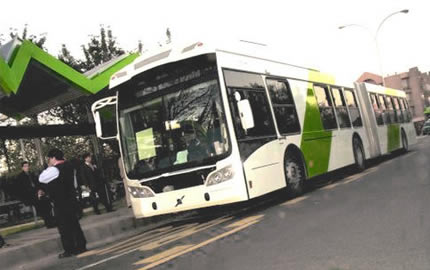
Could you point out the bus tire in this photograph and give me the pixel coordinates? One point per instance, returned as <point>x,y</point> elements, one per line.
<point>294,175</point>
<point>405,145</point>
<point>360,160</point>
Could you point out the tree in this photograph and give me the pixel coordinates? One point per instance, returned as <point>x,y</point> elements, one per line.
<point>67,58</point>
<point>100,49</point>
<point>168,35</point>
<point>38,40</point>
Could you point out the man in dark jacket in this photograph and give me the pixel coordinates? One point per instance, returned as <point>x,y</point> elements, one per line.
<point>91,177</point>
<point>33,193</point>
<point>59,179</point>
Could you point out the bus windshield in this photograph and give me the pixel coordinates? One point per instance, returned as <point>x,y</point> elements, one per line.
<point>172,118</point>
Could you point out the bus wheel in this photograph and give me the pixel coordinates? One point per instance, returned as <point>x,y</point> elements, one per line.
<point>295,176</point>
<point>358,155</point>
<point>405,146</point>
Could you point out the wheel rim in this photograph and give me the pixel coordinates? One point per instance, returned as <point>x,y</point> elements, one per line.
<point>359,155</point>
<point>405,143</point>
<point>294,176</point>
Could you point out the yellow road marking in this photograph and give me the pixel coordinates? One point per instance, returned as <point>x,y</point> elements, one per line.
<point>163,254</point>
<point>296,200</point>
<point>410,154</point>
<point>244,221</point>
<point>252,221</point>
<point>130,250</point>
<point>149,237</point>
<point>360,175</point>
<point>138,238</point>
<point>330,186</point>
<point>352,179</point>
<point>183,234</point>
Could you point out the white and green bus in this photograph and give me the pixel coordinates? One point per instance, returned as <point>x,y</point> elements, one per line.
<point>200,126</point>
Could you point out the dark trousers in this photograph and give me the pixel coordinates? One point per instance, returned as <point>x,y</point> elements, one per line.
<point>44,210</point>
<point>103,197</point>
<point>72,237</point>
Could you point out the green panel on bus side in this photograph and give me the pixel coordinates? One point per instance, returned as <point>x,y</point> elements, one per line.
<point>316,142</point>
<point>393,137</point>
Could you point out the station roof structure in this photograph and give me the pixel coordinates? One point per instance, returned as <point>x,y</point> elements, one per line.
<point>33,81</point>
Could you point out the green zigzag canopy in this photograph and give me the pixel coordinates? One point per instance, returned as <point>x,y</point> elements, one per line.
<point>12,74</point>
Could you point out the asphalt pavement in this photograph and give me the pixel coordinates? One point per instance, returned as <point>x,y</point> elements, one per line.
<point>377,219</point>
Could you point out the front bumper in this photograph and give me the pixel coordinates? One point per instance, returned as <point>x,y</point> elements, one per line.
<point>190,198</point>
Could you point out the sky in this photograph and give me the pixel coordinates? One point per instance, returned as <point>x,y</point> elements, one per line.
<point>305,32</point>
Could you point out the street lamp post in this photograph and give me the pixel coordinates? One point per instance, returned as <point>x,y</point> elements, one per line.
<point>375,37</point>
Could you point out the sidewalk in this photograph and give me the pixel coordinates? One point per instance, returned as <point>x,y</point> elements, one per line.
<point>29,246</point>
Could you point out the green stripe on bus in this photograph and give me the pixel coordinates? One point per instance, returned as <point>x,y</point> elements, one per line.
<point>393,137</point>
<point>316,143</point>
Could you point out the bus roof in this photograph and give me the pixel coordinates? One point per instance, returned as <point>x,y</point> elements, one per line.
<point>378,89</point>
<point>177,52</point>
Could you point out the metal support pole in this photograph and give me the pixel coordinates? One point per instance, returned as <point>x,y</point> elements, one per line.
<point>21,144</point>
<point>95,142</point>
<point>34,214</point>
<point>39,151</point>
<point>6,154</point>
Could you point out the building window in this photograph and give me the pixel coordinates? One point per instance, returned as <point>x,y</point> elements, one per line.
<point>405,83</point>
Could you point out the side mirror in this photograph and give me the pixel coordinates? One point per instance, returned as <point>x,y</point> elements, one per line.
<point>245,112</point>
<point>104,117</point>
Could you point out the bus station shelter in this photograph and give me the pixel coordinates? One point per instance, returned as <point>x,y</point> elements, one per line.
<point>33,81</point>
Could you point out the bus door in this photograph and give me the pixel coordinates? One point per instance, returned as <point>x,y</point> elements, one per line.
<point>258,145</point>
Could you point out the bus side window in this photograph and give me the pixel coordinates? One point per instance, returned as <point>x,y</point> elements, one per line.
<point>385,115</point>
<point>326,107</point>
<point>377,110</point>
<point>263,121</point>
<point>341,110</point>
<point>354,111</point>
<point>397,109</point>
<point>405,109</point>
<point>283,106</point>
<point>390,110</point>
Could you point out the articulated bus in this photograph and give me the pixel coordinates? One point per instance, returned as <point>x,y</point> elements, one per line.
<point>200,126</point>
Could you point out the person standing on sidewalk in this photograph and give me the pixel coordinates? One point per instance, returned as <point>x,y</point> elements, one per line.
<point>91,176</point>
<point>59,179</point>
<point>34,194</point>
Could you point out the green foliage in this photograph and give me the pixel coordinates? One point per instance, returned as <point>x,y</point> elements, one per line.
<point>38,40</point>
<point>427,111</point>
<point>100,49</point>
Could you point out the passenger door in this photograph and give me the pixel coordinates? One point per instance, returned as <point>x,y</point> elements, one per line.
<point>258,146</point>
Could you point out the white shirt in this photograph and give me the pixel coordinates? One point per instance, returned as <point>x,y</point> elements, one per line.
<point>48,175</point>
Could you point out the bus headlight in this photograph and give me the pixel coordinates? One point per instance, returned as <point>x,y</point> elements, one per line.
<point>220,176</point>
<point>140,192</point>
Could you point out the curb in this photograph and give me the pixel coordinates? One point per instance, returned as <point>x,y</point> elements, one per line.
<point>98,234</point>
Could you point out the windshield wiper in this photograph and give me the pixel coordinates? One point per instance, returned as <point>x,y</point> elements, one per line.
<point>167,174</point>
